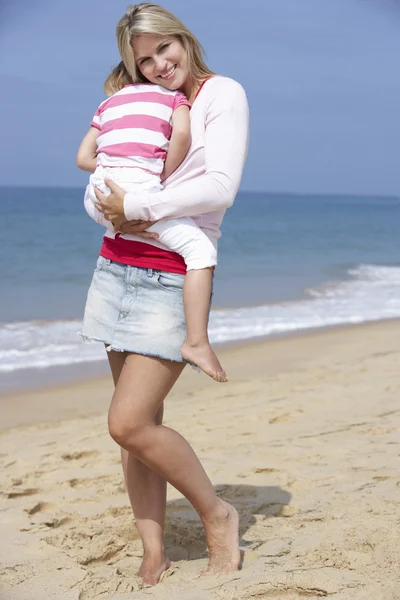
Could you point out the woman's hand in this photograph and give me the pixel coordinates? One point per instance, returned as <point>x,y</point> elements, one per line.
<point>111,206</point>
<point>135,228</point>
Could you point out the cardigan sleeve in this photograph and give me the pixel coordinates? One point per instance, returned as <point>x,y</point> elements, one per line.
<point>225,148</point>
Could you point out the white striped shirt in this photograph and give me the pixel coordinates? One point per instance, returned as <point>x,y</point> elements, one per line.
<point>135,126</point>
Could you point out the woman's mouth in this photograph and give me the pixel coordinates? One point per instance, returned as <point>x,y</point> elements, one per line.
<point>169,74</point>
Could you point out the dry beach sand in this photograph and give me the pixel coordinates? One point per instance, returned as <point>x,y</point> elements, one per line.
<point>304,441</point>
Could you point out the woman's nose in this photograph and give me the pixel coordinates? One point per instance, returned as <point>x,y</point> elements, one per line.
<point>160,63</point>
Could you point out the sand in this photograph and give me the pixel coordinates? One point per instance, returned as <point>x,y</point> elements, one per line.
<point>304,441</point>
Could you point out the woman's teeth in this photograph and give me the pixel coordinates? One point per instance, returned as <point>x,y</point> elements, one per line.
<point>169,73</point>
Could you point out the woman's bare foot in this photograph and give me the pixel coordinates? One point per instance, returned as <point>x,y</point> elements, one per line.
<point>204,357</point>
<point>153,567</point>
<point>222,533</point>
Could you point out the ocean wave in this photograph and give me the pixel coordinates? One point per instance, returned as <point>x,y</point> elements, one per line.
<point>369,292</point>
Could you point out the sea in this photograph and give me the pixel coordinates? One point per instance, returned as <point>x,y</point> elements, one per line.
<point>287,263</point>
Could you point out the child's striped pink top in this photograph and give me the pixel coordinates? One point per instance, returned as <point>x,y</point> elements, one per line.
<point>135,126</point>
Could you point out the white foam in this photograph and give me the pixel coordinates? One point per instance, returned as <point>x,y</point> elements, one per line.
<point>371,293</point>
<point>42,344</point>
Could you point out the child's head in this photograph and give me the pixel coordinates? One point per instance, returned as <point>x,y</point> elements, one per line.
<point>152,41</point>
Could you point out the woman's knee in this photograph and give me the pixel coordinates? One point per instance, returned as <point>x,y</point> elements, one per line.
<point>122,430</point>
<point>129,431</point>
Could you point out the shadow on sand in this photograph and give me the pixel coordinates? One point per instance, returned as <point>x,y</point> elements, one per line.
<point>184,534</point>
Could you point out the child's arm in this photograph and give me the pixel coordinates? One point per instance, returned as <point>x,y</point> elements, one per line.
<point>86,158</point>
<point>180,140</point>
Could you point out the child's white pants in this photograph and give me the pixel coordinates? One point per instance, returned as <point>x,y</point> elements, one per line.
<point>179,235</point>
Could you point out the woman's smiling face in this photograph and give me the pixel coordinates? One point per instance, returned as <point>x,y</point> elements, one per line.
<point>161,59</point>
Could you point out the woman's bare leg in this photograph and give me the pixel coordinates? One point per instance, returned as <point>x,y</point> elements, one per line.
<point>147,494</point>
<point>143,384</point>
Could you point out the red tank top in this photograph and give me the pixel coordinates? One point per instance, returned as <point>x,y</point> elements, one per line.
<point>140,254</point>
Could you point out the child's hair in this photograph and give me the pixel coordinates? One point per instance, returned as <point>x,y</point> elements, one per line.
<point>152,19</point>
<point>118,79</point>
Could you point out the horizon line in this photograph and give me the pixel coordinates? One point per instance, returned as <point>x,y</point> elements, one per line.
<point>245,191</point>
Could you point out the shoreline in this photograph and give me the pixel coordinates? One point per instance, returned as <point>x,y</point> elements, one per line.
<point>33,401</point>
<point>60,376</point>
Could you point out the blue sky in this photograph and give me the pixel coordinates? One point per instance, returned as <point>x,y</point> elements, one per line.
<point>322,78</point>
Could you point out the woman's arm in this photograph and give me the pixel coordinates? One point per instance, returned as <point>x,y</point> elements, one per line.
<point>86,158</point>
<point>226,142</point>
<point>133,227</point>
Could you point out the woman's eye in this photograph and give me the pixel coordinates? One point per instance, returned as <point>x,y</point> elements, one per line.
<point>161,49</point>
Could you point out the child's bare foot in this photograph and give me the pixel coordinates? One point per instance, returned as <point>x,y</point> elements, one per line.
<point>204,357</point>
<point>152,568</point>
<point>223,541</point>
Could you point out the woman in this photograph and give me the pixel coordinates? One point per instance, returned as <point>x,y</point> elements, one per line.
<point>135,299</point>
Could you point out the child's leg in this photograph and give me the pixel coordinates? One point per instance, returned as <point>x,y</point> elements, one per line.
<point>186,238</point>
<point>196,300</point>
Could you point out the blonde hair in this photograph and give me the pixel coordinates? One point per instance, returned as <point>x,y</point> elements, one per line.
<point>153,19</point>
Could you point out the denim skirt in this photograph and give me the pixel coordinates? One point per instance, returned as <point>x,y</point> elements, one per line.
<point>132,309</point>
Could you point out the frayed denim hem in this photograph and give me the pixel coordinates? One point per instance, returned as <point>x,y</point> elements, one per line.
<point>109,347</point>
<point>152,354</point>
<point>89,340</point>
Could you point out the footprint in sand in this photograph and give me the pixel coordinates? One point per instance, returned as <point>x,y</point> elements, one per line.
<point>13,576</point>
<point>94,481</point>
<point>46,522</point>
<point>275,547</point>
<point>80,454</point>
<point>265,470</point>
<point>21,492</point>
<point>100,586</point>
<point>284,418</point>
<point>89,544</point>
<point>39,507</point>
<point>42,517</point>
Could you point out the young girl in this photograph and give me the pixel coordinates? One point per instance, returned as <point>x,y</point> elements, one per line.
<point>138,137</point>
